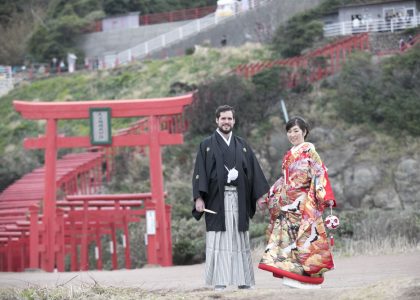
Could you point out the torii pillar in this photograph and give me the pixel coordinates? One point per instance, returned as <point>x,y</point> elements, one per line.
<point>159,248</point>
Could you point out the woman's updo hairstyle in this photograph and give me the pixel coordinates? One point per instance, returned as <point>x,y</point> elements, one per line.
<point>300,122</point>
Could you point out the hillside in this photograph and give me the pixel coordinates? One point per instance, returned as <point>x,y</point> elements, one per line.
<point>146,79</point>
<point>375,179</point>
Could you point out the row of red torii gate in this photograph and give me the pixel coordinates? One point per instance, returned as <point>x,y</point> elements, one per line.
<point>41,222</point>
<point>56,211</point>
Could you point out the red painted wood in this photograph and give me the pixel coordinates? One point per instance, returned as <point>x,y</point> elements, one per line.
<point>108,197</point>
<point>49,206</point>
<point>165,138</point>
<point>156,183</point>
<point>119,108</point>
<point>58,232</point>
<point>332,52</point>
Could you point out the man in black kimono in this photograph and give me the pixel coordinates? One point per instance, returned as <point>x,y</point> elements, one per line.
<point>227,183</point>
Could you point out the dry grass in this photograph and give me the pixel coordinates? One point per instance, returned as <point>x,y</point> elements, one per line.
<point>374,246</point>
<point>403,288</point>
<point>377,246</point>
<point>372,232</point>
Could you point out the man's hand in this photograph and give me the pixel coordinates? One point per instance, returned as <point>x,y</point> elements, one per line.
<point>199,204</point>
<point>262,204</point>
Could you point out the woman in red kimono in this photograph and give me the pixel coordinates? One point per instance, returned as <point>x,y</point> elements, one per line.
<point>298,250</point>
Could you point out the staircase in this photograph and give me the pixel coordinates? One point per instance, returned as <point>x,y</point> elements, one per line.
<point>257,24</point>
<point>314,65</point>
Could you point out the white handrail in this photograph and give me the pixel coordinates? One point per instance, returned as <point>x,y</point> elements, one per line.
<point>142,50</point>
<point>6,79</point>
<point>370,25</point>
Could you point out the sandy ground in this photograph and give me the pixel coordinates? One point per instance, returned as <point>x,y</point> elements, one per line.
<point>395,276</point>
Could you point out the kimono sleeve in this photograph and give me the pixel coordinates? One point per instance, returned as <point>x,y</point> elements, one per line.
<point>273,197</point>
<point>274,189</point>
<point>320,181</point>
<point>260,185</point>
<point>257,181</point>
<point>199,180</point>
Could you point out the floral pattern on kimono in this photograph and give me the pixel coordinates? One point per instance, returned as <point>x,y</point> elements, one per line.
<point>297,240</point>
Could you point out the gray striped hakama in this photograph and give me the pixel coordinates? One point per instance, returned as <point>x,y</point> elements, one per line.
<point>228,253</point>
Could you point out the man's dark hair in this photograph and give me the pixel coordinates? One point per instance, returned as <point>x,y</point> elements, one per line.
<point>223,108</point>
<point>300,122</point>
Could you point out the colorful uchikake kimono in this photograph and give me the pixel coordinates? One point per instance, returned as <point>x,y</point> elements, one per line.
<point>298,245</point>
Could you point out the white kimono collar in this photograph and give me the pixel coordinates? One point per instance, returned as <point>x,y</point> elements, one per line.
<point>227,141</point>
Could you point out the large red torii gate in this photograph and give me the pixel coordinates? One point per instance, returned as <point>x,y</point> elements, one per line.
<point>154,138</point>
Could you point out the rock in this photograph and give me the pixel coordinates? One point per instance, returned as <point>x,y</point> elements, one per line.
<point>367,202</point>
<point>320,135</point>
<point>362,143</point>
<point>336,160</point>
<point>338,189</point>
<point>279,144</point>
<point>334,154</point>
<point>387,199</point>
<point>359,181</point>
<point>407,181</point>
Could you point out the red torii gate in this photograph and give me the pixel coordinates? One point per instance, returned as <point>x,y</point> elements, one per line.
<point>334,53</point>
<point>155,138</point>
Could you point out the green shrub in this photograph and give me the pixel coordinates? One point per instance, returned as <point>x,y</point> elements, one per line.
<point>253,101</point>
<point>298,34</point>
<point>188,241</point>
<point>384,96</point>
<point>189,51</point>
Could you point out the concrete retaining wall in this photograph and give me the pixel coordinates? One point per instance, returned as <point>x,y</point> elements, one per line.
<point>100,43</point>
<point>381,41</point>
<point>256,25</point>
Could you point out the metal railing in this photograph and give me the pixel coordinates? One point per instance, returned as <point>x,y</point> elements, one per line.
<point>6,80</point>
<point>158,18</point>
<point>314,65</point>
<point>177,15</point>
<point>371,25</point>
<point>144,49</point>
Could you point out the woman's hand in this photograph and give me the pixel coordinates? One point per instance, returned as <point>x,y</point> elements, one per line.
<point>329,203</point>
<point>199,204</point>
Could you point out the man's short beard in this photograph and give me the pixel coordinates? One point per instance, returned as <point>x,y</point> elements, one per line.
<point>225,131</point>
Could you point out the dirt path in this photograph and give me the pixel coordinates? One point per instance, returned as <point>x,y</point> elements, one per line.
<point>395,276</point>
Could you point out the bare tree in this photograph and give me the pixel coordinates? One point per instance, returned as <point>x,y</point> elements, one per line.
<point>15,33</point>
